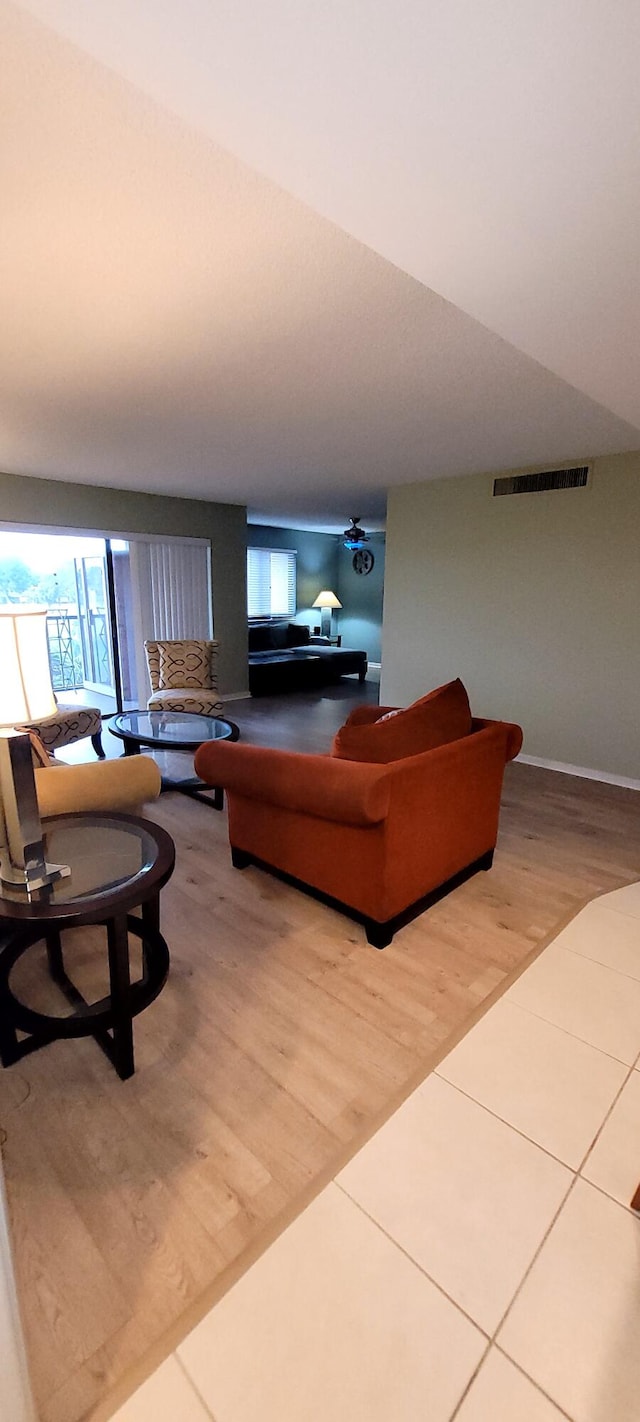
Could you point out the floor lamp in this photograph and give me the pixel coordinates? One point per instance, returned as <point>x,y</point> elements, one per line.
<point>326,601</point>
<point>26,694</point>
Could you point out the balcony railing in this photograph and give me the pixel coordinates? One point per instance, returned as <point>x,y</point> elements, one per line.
<point>66,655</point>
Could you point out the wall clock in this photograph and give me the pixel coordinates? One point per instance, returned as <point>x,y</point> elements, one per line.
<point>363,561</point>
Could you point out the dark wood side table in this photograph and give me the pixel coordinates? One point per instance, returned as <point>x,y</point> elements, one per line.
<point>118,862</point>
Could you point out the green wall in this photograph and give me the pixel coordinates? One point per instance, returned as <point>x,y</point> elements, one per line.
<point>361,598</point>
<point>52,502</point>
<point>533,599</point>
<point>316,563</point>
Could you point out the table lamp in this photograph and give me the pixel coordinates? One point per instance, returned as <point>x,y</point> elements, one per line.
<point>26,694</point>
<point>326,600</point>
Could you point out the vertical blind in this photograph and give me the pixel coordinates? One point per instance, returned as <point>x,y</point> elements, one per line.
<point>177,584</point>
<point>271,582</point>
<point>171,593</point>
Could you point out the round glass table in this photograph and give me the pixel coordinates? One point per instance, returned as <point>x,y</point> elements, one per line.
<point>175,731</point>
<point>117,862</point>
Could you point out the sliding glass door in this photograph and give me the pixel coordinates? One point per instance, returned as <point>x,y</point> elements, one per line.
<point>95,623</point>
<point>105,596</point>
<point>67,574</point>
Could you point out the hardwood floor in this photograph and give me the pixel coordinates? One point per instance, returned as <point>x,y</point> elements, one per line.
<point>280,1041</point>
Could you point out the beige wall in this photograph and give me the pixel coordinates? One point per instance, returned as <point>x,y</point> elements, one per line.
<point>48,501</point>
<point>534,600</point>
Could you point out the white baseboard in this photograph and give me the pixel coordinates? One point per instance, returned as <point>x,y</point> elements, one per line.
<point>235,696</point>
<point>581,770</point>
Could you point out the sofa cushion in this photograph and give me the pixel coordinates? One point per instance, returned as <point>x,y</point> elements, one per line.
<point>298,634</point>
<point>278,633</point>
<point>195,701</point>
<point>441,716</point>
<point>68,724</point>
<point>260,639</point>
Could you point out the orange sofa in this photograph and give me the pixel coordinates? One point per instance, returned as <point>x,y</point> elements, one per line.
<point>378,841</point>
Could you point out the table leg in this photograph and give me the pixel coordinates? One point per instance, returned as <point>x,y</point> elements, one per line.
<point>9,1047</point>
<point>120,990</point>
<point>8,1037</point>
<point>54,956</point>
<point>199,791</point>
<point>150,914</point>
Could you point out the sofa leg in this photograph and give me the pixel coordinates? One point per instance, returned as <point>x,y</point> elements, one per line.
<point>362,676</point>
<point>487,860</point>
<point>239,858</point>
<point>379,935</point>
<point>96,742</point>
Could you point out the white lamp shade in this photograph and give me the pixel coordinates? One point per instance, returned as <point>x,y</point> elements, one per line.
<point>326,599</point>
<point>26,693</point>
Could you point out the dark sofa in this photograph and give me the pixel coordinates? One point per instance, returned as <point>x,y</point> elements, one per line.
<point>283,656</point>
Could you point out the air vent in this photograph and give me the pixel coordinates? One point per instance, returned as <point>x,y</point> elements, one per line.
<point>540,483</point>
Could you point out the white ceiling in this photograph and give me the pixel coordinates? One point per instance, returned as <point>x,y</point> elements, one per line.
<point>172,320</point>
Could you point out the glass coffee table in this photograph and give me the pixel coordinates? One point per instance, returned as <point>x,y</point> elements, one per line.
<point>175,731</point>
<point>118,862</point>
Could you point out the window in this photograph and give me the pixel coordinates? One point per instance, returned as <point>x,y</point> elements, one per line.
<point>271,582</point>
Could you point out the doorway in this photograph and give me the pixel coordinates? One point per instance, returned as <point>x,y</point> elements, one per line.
<point>72,577</point>
<point>106,595</point>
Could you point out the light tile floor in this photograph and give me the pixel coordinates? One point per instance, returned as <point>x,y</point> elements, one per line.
<point>477,1260</point>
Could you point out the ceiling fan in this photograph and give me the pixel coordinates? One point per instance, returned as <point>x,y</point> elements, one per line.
<point>354,537</point>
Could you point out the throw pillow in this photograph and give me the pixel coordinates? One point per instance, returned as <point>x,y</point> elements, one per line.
<point>441,716</point>
<point>298,634</point>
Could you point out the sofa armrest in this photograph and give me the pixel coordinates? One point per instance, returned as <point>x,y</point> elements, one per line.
<point>98,786</point>
<point>444,809</point>
<point>450,763</point>
<point>321,786</point>
<point>513,732</point>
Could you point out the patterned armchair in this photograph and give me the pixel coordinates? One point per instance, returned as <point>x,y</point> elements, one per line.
<point>184,677</point>
<point>69,724</point>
